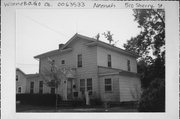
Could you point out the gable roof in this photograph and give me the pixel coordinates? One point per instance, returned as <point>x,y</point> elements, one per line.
<point>17,69</point>
<point>29,76</point>
<point>112,47</point>
<point>53,52</point>
<point>93,43</point>
<point>75,37</point>
<point>99,43</point>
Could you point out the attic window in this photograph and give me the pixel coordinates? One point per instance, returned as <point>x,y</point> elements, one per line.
<point>63,62</point>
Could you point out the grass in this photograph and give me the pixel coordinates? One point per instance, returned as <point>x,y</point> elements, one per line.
<point>31,108</point>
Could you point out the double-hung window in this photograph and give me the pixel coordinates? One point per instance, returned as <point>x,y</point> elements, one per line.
<point>40,87</point>
<point>128,65</point>
<point>63,62</point>
<point>16,77</point>
<point>108,85</point>
<point>82,85</point>
<point>79,60</point>
<point>32,87</point>
<point>109,60</point>
<point>89,85</point>
<point>19,89</point>
<point>52,90</point>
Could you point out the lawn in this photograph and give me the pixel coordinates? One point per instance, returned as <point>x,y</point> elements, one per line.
<point>30,108</point>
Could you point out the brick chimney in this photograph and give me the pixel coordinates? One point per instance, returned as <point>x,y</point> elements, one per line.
<point>60,46</point>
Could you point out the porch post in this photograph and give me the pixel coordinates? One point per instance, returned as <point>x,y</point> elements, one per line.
<point>65,89</point>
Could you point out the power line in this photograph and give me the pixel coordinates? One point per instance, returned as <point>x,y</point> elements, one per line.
<point>44,25</point>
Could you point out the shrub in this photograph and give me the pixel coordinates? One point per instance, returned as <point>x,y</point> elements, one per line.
<point>38,99</point>
<point>96,101</point>
<point>153,98</point>
<point>77,103</point>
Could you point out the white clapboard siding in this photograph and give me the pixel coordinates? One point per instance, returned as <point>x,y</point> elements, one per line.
<point>129,88</point>
<point>118,60</point>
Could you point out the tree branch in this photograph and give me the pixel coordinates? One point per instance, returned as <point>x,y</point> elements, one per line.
<point>160,17</point>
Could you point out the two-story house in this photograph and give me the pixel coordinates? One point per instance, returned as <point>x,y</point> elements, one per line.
<point>105,71</point>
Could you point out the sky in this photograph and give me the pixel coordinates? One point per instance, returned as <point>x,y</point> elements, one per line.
<point>42,30</point>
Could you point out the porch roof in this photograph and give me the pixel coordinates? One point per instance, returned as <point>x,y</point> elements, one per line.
<point>105,71</point>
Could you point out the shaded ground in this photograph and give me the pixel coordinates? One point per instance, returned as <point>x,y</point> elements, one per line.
<point>30,108</point>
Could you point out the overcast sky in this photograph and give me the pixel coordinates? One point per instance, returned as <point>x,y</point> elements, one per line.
<point>41,30</point>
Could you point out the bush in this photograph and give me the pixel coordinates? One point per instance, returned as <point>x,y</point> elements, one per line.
<point>95,101</point>
<point>77,103</point>
<point>153,98</point>
<point>38,99</point>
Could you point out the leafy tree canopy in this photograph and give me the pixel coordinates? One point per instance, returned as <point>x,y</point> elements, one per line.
<point>149,44</point>
<point>152,35</point>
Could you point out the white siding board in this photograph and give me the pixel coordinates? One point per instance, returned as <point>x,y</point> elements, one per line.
<point>129,87</point>
<point>118,60</point>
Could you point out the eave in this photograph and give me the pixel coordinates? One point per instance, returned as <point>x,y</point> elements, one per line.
<point>113,48</point>
<point>117,72</point>
<point>17,69</point>
<point>54,52</point>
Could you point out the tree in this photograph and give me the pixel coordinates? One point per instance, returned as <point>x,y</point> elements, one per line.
<point>97,36</point>
<point>53,78</point>
<point>108,36</point>
<point>152,100</point>
<point>149,44</point>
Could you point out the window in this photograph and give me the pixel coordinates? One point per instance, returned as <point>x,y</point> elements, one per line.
<point>75,94</point>
<point>63,62</point>
<point>16,77</point>
<point>53,66</point>
<point>82,85</point>
<point>52,90</point>
<point>89,85</point>
<point>32,87</point>
<point>109,60</point>
<point>108,85</point>
<point>19,89</point>
<point>40,87</point>
<point>128,65</point>
<point>79,62</point>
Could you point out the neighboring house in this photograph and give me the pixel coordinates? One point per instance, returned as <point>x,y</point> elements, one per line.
<point>35,85</point>
<point>105,71</point>
<point>21,81</point>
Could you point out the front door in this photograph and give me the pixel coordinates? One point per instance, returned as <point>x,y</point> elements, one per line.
<point>69,89</point>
